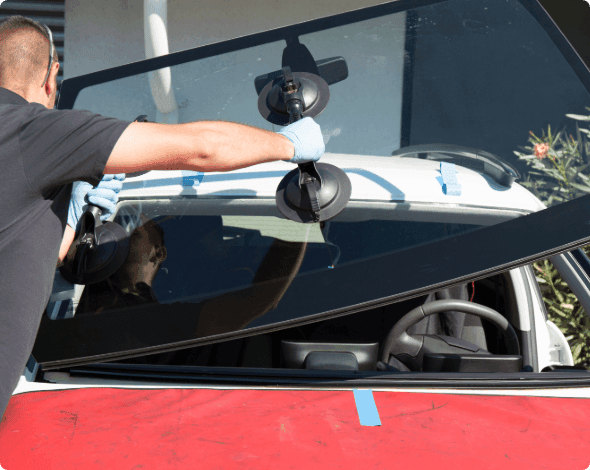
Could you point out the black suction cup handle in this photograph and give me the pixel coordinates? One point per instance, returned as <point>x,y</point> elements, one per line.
<point>308,173</point>
<point>292,97</point>
<point>308,179</point>
<point>89,221</point>
<point>96,213</point>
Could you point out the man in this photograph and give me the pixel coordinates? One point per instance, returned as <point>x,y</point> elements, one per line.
<point>132,283</point>
<point>42,151</point>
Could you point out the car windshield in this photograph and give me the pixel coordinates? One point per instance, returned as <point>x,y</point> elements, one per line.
<point>457,81</point>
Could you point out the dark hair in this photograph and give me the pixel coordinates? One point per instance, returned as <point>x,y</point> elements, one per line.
<point>13,60</point>
<point>156,233</point>
<point>153,230</point>
<point>15,22</point>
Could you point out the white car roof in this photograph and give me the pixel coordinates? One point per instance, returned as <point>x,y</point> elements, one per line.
<point>372,178</point>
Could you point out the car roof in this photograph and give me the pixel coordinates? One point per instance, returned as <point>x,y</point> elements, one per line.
<point>373,179</point>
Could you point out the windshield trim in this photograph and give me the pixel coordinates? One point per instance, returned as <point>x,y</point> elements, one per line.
<point>578,56</point>
<point>332,378</point>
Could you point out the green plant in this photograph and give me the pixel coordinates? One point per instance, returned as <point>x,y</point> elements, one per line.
<point>557,164</point>
<point>564,310</point>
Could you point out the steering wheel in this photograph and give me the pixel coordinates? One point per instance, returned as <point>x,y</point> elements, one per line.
<point>410,349</point>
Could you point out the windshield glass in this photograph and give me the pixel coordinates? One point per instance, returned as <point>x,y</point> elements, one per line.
<point>480,75</point>
<point>217,271</point>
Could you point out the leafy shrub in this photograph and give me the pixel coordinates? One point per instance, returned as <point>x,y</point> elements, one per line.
<point>557,164</point>
<point>565,311</point>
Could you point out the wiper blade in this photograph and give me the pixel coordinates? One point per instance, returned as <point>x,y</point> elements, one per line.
<point>483,162</point>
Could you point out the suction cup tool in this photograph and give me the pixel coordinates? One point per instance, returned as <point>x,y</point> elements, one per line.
<point>313,193</point>
<point>277,97</point>
<point>98,252</point>
<point>316,192</point>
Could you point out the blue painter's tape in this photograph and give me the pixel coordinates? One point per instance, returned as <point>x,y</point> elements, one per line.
<point>451,186</point>
<point>366,408</point>
<point>192,178</point>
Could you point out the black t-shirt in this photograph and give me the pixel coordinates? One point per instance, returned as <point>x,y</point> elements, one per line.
<point>42,151</point>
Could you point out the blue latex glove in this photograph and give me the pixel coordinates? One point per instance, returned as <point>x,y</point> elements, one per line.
<point>307,138</point>
<point>105,196</point>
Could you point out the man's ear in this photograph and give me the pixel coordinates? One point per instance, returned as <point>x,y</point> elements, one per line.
<point>49,84</point>
<point>160,255</point>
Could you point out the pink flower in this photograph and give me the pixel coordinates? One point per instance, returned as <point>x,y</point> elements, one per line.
<point>541,150</point>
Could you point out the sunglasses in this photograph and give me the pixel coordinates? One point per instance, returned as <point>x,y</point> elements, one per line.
<point>51,52</point>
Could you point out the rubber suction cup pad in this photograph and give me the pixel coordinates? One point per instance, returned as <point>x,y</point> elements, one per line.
<point>333,195</point>
<point>314,89</point>
<point>107,257</point>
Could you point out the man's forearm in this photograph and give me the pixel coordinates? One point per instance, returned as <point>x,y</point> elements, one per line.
<point>199,146</point>
<point>234,146</point>
<point>66,242</point>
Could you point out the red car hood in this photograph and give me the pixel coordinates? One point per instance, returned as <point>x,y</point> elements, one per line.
<point>194,428</point>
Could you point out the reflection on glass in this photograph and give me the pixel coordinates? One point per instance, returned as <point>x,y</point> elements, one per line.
<point>132,283</point>
<point>238,268</point>
<point>480,74</point>
<point>364,113</point>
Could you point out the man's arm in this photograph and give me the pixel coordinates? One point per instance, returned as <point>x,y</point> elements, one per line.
<point>202,146</point>
<point>199,146</point>
<point>68,238</point>
<point>104,196</point>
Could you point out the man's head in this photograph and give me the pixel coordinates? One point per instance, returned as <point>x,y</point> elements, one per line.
<point>24,60</point>
<point>146,254</point>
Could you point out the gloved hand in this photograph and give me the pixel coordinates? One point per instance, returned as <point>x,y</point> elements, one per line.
<point>105,196</point>
<point>307,138</point>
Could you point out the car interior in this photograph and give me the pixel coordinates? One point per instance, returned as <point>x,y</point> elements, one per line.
<point>462,342</point>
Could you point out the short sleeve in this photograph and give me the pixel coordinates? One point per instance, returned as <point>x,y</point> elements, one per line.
<point>62,146</point>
